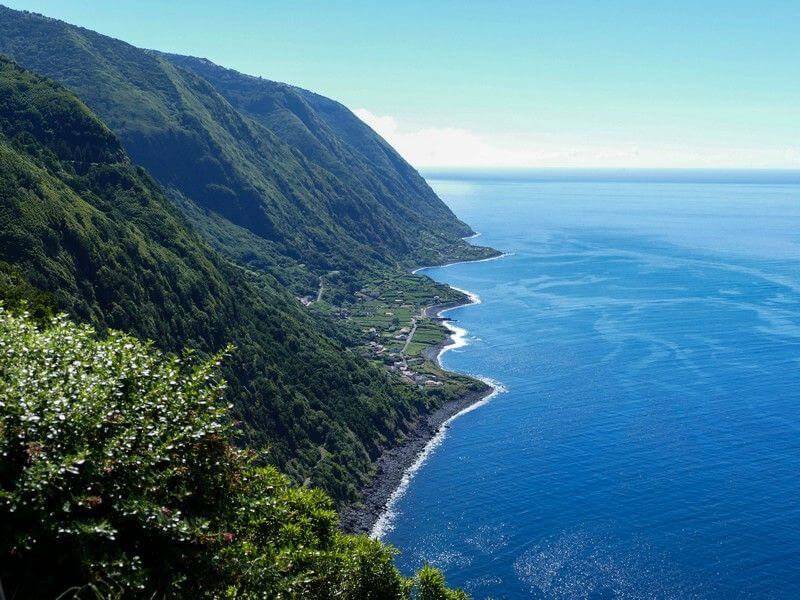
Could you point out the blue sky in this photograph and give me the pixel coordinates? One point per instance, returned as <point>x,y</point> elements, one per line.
<point>593,83</point>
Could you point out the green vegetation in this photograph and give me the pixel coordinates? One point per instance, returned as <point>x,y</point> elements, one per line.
<point>118,479</point>
<point>276,178</point>
<point>385,323</point>
<point>265,190</point>
<point>100,240</point>
<point>260,192</point>
<point>416,227</point>
<point>269,218</point>
<point>16,292</point>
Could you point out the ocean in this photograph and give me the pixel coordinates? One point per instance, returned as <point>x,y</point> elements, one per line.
<point>644,333</point>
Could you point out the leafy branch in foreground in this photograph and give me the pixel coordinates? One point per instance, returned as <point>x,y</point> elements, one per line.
<point>117,474</point>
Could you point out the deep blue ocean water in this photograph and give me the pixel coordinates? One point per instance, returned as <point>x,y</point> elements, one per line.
<point>648,445</point>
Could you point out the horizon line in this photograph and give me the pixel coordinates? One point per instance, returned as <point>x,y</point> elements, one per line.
<point>606,168</point>
<point>617,175</point>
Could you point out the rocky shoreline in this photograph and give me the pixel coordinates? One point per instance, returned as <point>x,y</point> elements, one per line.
<point>393,463</point>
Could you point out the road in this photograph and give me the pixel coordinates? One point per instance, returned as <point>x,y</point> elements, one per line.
<point>321,289</point>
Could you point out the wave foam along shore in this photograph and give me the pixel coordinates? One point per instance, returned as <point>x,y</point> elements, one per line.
<point>461,262</point>
<point>385,522</point>
<point>458,335</point>
<point>396,467</point>
<point>458,339</point>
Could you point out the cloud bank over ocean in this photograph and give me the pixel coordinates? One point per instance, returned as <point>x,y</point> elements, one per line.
<point>432,146</point>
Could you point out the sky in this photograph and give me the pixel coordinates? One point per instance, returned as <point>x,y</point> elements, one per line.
<point>603,83</point>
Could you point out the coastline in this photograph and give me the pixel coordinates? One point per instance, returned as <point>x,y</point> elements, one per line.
<point>395,468</point>
<point>394,464</point>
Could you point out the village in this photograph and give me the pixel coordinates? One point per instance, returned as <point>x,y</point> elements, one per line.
<point>392,336</point>
<point>389,325</point>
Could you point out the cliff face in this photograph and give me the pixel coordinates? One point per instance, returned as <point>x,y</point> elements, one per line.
<point>331,137</point>
<point>86,230</point>
<point>276,178</point>
<point>246,193</point>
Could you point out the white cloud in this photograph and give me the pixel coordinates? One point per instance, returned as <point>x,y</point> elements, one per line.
<point>456,147</point>
<point>437,147</point>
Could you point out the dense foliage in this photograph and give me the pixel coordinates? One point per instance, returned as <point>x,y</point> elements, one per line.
<point>278,199</point>
<point>332,138</point>
<point>87,232</point>
<point>292,183</point>
<point>117,473</point>
<point>117,479</point>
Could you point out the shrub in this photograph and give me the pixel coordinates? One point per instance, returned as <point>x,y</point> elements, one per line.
<point>118,479</point>
<point>430,585</point>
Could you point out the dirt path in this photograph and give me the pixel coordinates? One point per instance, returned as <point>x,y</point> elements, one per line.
<point>320,290</point>
<point>410,336</point>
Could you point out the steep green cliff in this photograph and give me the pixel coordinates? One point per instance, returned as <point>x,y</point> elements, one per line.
<point>275,178</point>
<point>84,227</point>
<point>118,480</point>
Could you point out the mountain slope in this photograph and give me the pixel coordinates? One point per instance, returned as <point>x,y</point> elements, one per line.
<point>278,189</point>
<point>84,226</point>
<point>332,137</point>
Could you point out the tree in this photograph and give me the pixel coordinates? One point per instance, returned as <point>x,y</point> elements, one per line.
<point>118,479</point>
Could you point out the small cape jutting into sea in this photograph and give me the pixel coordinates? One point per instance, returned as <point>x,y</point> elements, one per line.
<point>397,466</point>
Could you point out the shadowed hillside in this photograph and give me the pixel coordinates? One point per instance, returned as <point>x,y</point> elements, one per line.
<point>84,228</point>
<point>290,182</point>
